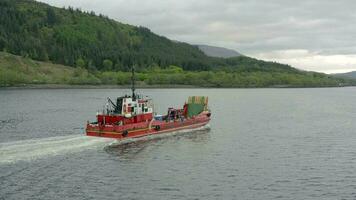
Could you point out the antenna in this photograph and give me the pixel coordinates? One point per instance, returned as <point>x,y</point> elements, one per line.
<point>133,82</point>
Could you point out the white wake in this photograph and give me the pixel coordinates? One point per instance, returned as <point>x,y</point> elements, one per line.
<point>26,150</point>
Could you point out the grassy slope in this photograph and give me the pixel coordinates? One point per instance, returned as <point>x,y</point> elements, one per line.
<point>17,70</point>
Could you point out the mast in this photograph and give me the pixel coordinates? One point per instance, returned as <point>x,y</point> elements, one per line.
<point>133,82</point>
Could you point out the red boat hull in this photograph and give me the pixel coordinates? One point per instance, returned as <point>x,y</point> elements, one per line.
<point>146,128</point>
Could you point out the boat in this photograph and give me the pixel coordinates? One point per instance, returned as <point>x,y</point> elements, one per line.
<point>133,116</point>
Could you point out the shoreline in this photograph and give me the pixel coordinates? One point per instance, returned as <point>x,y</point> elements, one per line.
<point>64,86</point>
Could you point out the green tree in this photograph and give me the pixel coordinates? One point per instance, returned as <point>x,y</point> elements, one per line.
<point>80,63</point>
<point>91,66</point>
<point>107,64</point>
<point>51,16</point>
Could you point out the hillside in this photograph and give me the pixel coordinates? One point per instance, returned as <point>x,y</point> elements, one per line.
<point>219,52</point>
<point>93,49</point>
<point>72,37</point>
<point>16,70</point>
<point>75,38</point>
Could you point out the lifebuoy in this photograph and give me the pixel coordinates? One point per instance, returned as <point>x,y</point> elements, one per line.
<point>125,133</point>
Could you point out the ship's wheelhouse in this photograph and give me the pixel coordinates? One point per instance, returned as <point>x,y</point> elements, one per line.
<point>136,107</point>
<point>127,110</point>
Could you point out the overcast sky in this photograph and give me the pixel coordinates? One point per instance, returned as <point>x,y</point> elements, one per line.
<point>318,35</point>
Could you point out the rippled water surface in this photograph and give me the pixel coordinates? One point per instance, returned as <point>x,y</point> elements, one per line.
<point>260,144</point>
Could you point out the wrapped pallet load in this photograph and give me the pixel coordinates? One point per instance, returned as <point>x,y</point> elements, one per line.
<point>196,105</point>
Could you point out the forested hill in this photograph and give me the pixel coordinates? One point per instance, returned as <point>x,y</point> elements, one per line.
<point>97,50</point>
<point>75,38</point>
<point>72,37</point>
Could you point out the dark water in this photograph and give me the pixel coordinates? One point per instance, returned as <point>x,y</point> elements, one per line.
<point>262,144</point>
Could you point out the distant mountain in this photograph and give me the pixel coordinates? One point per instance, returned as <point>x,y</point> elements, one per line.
<point>219,52</point>
<point>351,75</point>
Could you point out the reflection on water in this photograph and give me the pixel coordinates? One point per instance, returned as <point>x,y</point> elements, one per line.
<point>128,149</point>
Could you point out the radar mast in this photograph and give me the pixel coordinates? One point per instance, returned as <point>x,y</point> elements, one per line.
<point>133,82</point>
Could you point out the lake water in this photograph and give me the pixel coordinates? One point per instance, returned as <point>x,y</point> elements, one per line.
<point>260,144</point>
